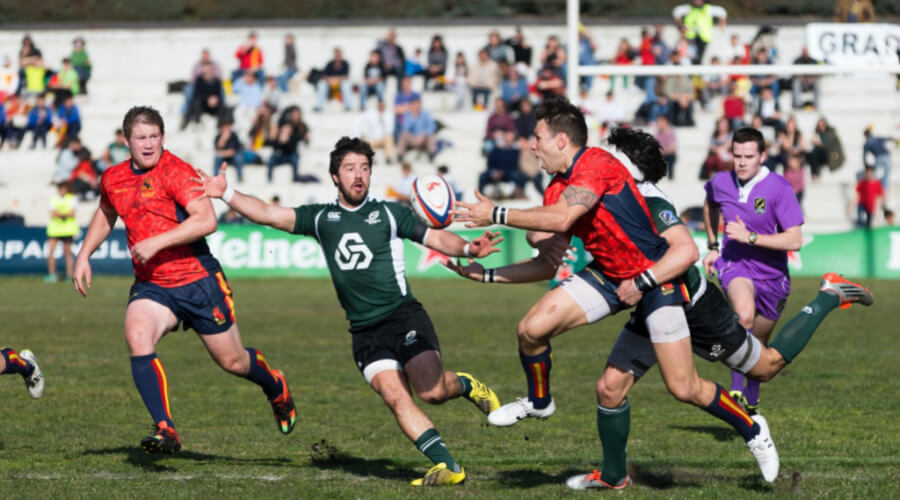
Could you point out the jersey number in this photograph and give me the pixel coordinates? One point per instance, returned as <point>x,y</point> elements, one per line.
<point>352,253</point>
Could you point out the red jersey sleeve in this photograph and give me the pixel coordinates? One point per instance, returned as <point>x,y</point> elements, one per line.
<point>105,204</point>
<point>179,183</point>
<point>594,174</point>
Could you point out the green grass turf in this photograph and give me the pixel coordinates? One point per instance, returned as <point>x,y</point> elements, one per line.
<point>833,412</point>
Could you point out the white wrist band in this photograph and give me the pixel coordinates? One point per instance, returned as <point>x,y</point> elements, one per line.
<point>228,194</point>
<point>466,251</point>
<point>488,276</point>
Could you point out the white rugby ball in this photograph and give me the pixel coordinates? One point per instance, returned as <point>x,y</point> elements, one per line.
<point>433,200</point>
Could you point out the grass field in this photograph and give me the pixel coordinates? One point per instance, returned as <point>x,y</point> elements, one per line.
<point>833,412</point>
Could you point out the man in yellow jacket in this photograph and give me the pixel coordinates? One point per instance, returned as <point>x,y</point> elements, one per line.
<point>62,227</point>
<point>696,21</point>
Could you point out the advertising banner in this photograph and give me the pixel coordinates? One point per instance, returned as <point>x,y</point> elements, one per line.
<point>853,43</point>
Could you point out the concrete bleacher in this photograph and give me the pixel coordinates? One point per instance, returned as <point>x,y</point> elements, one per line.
<point>133,67</point>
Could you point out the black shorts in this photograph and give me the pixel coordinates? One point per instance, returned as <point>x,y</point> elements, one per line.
<point>715,331</point>
<point>402,335</point>
<point>204,305</point>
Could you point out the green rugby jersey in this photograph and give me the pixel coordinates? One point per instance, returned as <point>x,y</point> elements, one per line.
<point>665,216</point>
<point>364,251</point>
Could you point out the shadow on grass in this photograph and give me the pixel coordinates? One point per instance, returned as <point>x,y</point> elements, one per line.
<point>721,434</point>
<point>530,478</point>
<point>137,457</point>
<point>326,456</point>
<point>661,478</point>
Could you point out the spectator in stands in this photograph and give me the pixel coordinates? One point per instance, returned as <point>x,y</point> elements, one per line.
<point>2,122</point>
<point>735,49</point>
<point>498,124</point>
<point>116,152</point>
<point>9,79</point>
<point>271,95</point>
<point>790,143</point>
<point>610,113</point>
<point>513,89</point>
<point>15,121</point>
<point>869,198</point>
<point>550,84</point>
<point>207,96</point>
<point>714,85</point>
<point>525,121</point>
<point>85,180</point>
<point>69,119</point>
<point>335,82</point>
<point>40,119</point>
<point>805,83</point>
<point>624,56</point>
<point>444,173</point>
<point>680,91</point>
<point>665,136</point>
<point>761,82</point>
<point>401,189</point>
<point>553,57</point>
<point>794,174</point>
<point>403,103</point>
<point>418,131</point>
<point>854,11</point>
<point>64,83</point>
<point>484,78</point>
<point>250,60</point>
<point>503,166</point>
<point>81,62</point>
<point>29,53</point>
<point>205,58</point>
<point>436,68</point>
<point>521,51</point>
<point>392,57</point>
<point>460,80</point>
<point>769,110</point>
<point>285,141</point>
<point>877,148</point>
<point>586,49</point>
<point>228,149</point>
<point>373,80</point>
<point>696,20</point>
<point>826,149</point>
<point>496,49</point>
<point>250,100</point>
<point>35,79</point>
<point>289,63</point>
<point>67,160</point>
<point>889,217</point>
<point>413,66</point>
<point>376,126</point>
<point>733,108</point>
<point>718,158</point>
<point>61,228</point>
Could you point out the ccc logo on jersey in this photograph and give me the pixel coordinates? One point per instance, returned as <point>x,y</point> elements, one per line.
<point>352,253</point>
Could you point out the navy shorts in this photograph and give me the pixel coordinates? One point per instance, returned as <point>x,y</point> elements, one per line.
<point>204,305</point>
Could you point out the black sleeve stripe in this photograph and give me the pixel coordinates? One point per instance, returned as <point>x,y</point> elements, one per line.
<point>418,233</point>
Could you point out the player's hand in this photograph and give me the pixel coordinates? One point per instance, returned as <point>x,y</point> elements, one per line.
<point>475,214</point>
<point>709,262</point>
<point>473,270</point>
<point>212,187</point>
<point>144,250</point>
<point>485,244</point>
<point>81,277</point>
<point>736,230</point>
<point>554,250</point>
<point>628,293</point>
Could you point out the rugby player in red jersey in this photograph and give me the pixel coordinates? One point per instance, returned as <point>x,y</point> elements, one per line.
<point>594,197</point>
<point>177,280</point>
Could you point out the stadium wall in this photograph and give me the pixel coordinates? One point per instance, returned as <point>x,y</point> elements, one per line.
<point>255,251</point>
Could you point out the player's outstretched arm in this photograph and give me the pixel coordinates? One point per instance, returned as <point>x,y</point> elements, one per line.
<point>451,244</point>
<point>250,207</point>
<point>558,217</point>
<point>101,225</point>
<point>527,271</point>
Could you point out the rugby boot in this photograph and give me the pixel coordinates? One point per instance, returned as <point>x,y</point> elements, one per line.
<point>510,413</point>
<point>283,406</point>
<point>763,449</point>
<point>594,481</point>
<point>481,395</point>
<point>34,382</point>
<point>440,475</point>
<point>163,440</point>
<point>847,291</point>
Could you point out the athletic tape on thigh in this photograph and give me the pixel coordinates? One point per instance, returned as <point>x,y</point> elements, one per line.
<point>667,324</point>
<point>379,366</point>
<point>591,301</point>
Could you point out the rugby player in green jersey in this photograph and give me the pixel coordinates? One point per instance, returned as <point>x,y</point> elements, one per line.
<point>394,343</point>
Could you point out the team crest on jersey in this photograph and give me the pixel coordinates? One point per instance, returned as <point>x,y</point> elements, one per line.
<point>667,289</point>
<point>374,217</point>
<point>147,189</point>
<point>218,316</point>
<point>668,217</point>
<point>333,216</point>
<point>759,205</point>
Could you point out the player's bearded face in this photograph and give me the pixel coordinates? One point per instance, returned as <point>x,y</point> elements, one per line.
<point>353,179</point>
<point>146,145</point>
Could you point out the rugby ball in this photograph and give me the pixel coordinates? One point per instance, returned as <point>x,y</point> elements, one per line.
<point>433,200</point>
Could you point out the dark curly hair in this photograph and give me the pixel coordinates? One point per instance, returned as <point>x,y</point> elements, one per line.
<point>346,145</point>
<point>642,149</point>
<point>563,117</point>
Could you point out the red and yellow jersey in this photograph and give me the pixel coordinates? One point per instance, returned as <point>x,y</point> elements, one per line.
<point>151,202</point>
<point>618,231</point>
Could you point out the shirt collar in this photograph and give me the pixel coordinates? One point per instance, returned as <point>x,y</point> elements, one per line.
<point>744,191</point>
<point>565,175</point>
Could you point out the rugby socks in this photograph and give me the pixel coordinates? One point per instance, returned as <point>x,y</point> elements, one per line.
<point>262,375</point>
<point>15,364</point>
<point>794,335</point>
<point>150,379</point>
<point>737,381</point>
<point>465,385</point>
<point>724,408</point>
<point>613,425</point>
<point>751,393</point>
<point>537,371</point>
<point>432,446</point>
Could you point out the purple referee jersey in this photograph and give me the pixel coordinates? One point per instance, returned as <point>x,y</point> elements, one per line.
<point>767,205</point>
